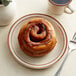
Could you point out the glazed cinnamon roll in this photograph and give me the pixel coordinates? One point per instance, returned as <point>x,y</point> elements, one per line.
<point>37,37</point>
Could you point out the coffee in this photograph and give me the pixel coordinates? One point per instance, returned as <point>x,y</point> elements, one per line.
<point>0,2</point>
<point>60,1</point>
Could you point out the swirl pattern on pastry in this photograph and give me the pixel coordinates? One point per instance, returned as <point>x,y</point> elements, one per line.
<point>37,37</point>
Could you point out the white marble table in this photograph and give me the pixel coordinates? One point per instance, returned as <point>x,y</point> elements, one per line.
<point>9,66</point>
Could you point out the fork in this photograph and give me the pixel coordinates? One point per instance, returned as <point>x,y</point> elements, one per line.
<point>71,47</point>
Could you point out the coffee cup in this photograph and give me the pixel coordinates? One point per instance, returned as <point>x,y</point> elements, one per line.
<point>60,6</point>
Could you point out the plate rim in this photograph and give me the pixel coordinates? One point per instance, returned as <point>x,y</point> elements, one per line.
<point>38,67</point>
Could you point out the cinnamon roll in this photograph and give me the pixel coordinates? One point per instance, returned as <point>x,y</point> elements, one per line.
<point>37,37</point>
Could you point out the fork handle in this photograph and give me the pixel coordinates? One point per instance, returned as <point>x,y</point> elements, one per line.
<point>61,66</point>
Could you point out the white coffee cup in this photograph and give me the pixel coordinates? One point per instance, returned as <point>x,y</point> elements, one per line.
<point>59,8</point>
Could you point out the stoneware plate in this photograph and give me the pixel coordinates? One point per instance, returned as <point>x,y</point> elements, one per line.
<point>37,62</point>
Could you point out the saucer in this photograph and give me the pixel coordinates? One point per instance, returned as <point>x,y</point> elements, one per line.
<point>37,62</point>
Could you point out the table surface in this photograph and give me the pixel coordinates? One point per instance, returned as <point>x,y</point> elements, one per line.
<point>9,66</point>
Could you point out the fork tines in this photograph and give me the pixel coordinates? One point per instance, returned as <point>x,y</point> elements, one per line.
<point>74,38</point>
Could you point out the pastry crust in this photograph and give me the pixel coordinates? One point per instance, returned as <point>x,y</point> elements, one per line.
<point>37,37</point>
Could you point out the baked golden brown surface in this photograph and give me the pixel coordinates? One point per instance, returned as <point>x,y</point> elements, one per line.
<point>37,37</point>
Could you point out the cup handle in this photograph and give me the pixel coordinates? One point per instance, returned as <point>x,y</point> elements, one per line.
<point>70,10</point>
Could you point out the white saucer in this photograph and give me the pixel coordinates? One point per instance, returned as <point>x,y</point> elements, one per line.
<point>39,62</point>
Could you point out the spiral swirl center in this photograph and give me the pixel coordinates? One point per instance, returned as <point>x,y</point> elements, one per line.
<point>38,32</point>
